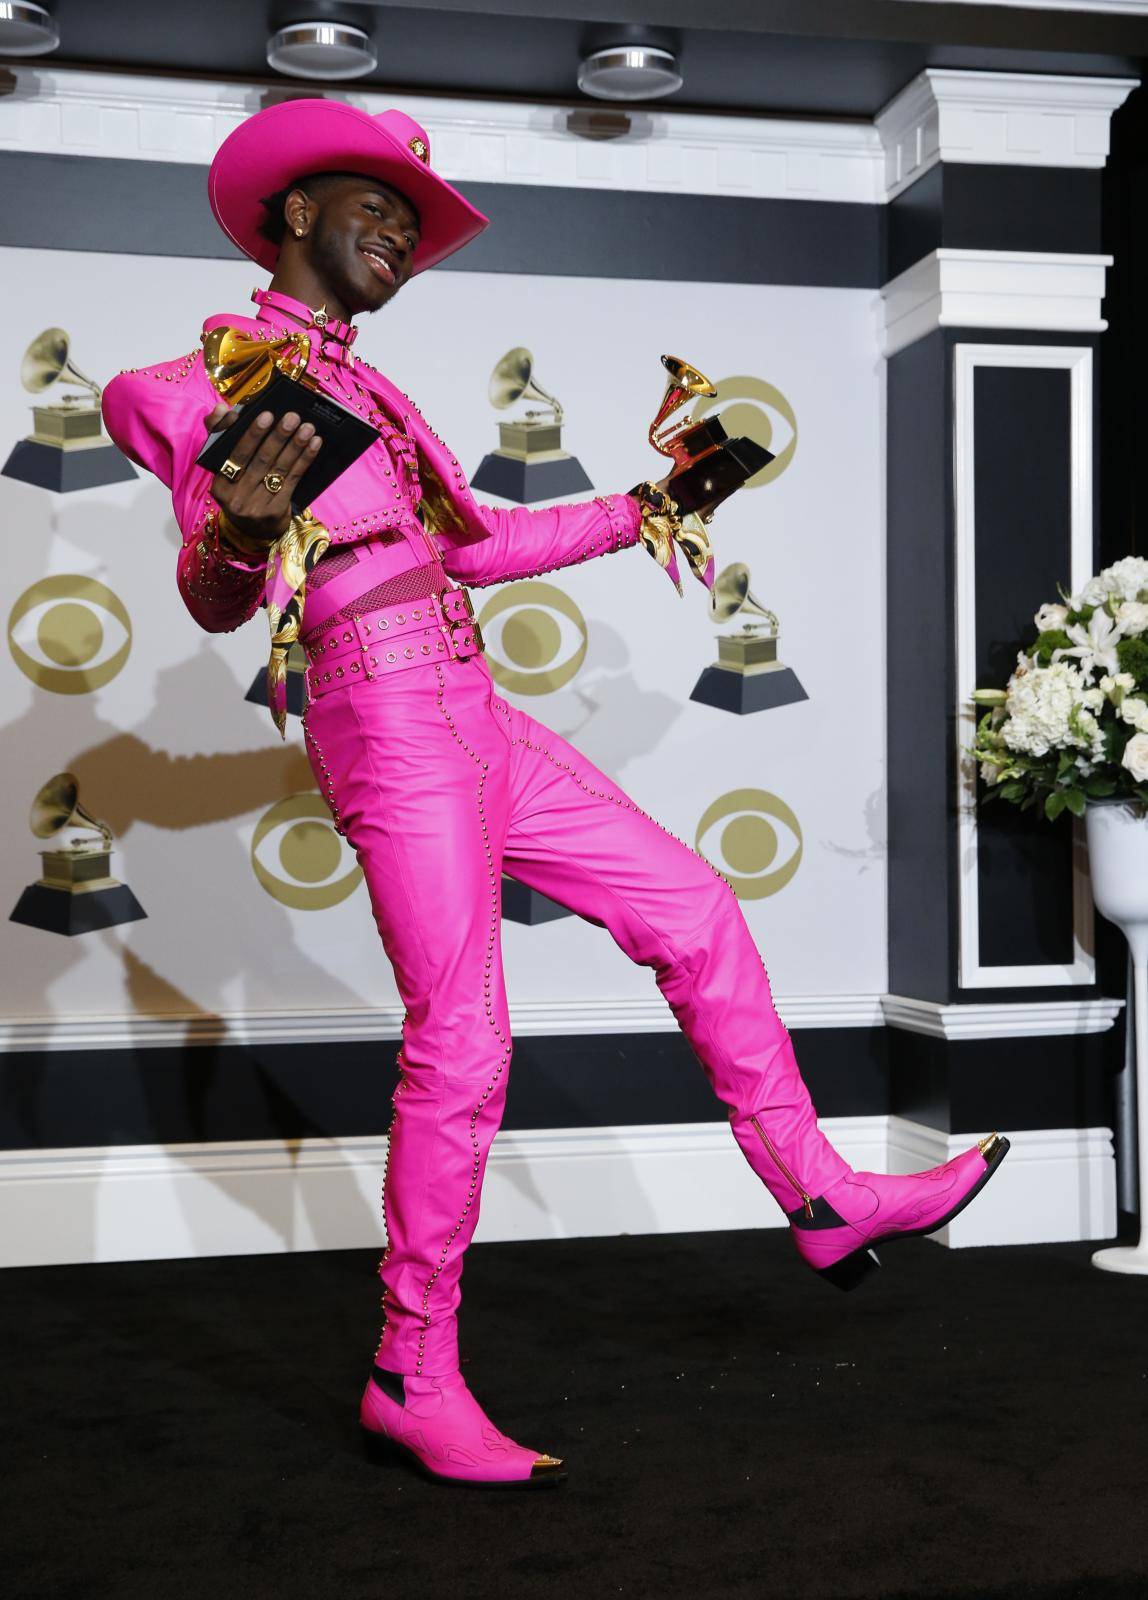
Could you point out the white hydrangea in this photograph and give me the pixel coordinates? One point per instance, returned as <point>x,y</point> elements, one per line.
<point>1135,711</point>
<point>1094,593</point>
<point>1040,709</point>
<point>1127,578</point>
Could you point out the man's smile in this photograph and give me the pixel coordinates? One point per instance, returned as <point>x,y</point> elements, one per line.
<point>380,263</point>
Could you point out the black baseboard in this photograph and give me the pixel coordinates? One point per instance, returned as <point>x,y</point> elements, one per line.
<point>201,1094</point>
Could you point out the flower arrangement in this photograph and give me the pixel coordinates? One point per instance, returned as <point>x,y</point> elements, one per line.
<point>1072,725</point>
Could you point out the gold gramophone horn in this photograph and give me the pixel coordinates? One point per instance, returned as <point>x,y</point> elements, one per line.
<point>513,379</point>
<point>685,383</point>
<point>241,367</point>
<point>46,360</point>
<point>56,806</point>
<point>731,595</point>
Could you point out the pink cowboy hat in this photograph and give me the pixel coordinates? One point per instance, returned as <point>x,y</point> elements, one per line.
<point>289,141</point>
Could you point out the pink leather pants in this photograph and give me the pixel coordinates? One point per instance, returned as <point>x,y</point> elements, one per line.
<point>439,784</point>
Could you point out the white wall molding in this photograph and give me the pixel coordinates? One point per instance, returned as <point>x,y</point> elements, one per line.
<point>1011,119</point>
<point>1077,362</point>
<point>148,1202</point>
<point>1030,289</point>
<point>1054,1184</point>
<point>972,1020</point>
<point>61,112</point>
<point>978,1020</point>
<point>125,1031</point>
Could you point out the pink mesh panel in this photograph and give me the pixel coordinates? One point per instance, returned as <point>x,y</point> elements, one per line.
<point>329,566</point>
<point>417,583</point>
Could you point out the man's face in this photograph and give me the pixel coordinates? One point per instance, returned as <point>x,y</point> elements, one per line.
<point>362,239</point>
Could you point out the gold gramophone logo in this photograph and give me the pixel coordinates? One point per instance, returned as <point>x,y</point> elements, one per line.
<point>530,463</point>
<point>76,892</point>
<point>67,448</point>
<point>762,413</point>
<point>535,637</point>
<point>70,634</point>
<point>299,859</point>
<point>753,839</point>
<point>747,675</point>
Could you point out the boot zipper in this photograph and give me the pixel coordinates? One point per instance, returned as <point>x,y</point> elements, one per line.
<point>806,1200</point>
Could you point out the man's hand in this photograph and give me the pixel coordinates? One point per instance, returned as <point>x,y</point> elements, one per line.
<point>287,449</point>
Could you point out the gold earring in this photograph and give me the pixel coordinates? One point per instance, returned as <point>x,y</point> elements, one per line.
<point>298,233</point>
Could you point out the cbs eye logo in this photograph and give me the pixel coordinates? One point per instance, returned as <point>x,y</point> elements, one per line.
<point>535,637</point>
<point>298,857</point>
<point>746,850</point>
<point>69,634</point>
<point>762,413</point>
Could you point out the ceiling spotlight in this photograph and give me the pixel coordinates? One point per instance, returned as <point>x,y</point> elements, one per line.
<point>322,50</point>
<point>27,29</point>
<point>629,72</point>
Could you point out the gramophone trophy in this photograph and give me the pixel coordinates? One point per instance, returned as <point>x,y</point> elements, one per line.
<point>77,893</point>
<point>708,467</point>
<point>747,676</point>
<point>530,463</point>
<point>296,683</point>
<point>67,448</point>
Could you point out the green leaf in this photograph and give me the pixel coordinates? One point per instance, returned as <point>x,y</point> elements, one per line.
<point>1075,801</point>
<point>1055,804</point>
<point>1100,788</point>
<point>1015,789</point>
<point>1052,639</point>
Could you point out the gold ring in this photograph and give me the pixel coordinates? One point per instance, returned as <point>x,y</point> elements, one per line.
<point>273,482</point>
<point>231,470</point>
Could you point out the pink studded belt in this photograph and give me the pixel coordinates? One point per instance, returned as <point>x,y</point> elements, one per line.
<point>392,638</point>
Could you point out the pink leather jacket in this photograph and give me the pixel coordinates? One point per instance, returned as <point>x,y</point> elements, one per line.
<point>155,415</point>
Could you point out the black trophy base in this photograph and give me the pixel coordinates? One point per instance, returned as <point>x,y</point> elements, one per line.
<point>744,692</point>
<point>63,471</point>
<point>524,482</point>
<point>58,911</point>
<point>520,903</point>
<point>296,692</point>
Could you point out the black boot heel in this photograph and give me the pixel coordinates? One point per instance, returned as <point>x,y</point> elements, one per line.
<point>851,1270</point>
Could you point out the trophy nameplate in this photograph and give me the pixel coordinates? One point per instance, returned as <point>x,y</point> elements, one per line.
<point>67,448</point>
<point>530,463</point>
<point>296,683</point>
<point>75,892</point>
<point>521,903</point>
<point>747,675</point>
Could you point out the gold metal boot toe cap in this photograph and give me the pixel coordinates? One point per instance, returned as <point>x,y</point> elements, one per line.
<point>989,1146</point>
<point>546,1466</point>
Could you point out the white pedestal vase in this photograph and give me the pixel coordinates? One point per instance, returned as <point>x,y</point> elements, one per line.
<point>1118,861</point>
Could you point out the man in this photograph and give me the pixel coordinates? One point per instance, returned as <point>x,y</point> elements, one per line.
<point>435,779</point>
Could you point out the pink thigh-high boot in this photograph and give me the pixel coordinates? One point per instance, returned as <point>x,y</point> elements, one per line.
<point>575,836</point>
<point>439,783</point>
<point>417,780</point>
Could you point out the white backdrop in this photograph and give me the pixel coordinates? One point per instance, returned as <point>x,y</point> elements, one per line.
<point>183,769</point>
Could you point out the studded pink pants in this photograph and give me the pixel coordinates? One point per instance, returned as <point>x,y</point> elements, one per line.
<point>439,784</point>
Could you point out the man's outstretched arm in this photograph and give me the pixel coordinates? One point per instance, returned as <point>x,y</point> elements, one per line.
<point>525,542</point>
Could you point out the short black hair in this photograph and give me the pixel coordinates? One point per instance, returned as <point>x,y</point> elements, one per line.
<point>273,227</point>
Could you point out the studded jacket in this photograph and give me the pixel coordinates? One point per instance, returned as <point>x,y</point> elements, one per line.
<point>156,416</point>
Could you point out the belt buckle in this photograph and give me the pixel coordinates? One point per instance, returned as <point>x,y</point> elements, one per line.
<point>466,639</point>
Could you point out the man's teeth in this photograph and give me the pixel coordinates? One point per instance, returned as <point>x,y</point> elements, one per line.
<point>376,255</point>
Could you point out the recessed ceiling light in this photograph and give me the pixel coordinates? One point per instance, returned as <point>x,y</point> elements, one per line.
<point>629,72</point>
<point>322,50</point>
<point>27,29</point>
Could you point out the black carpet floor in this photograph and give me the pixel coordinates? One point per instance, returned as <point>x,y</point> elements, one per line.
<point>968,1423</point>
